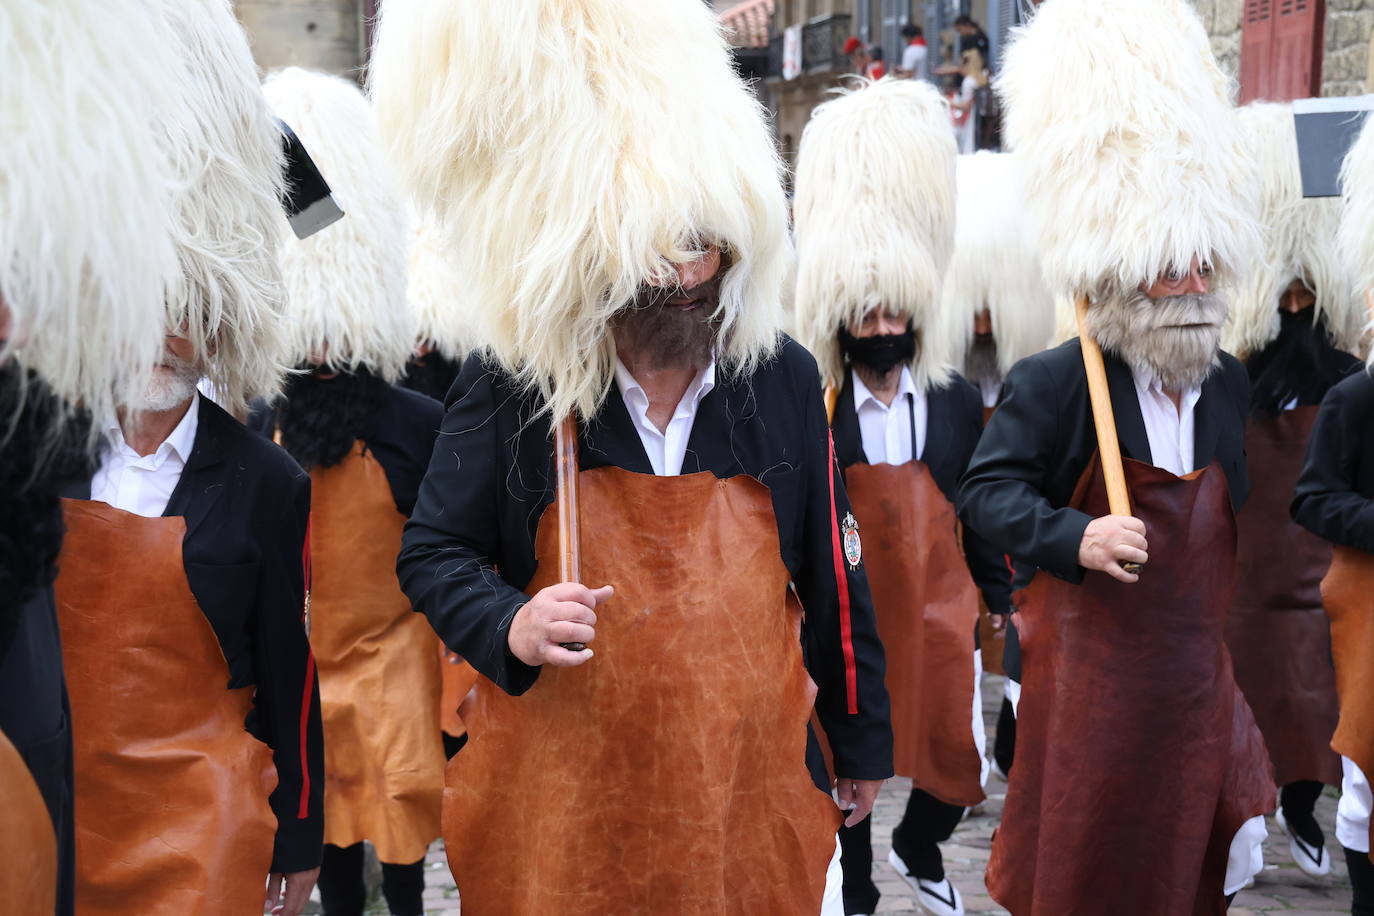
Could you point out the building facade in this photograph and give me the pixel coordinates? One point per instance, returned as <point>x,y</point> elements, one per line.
<point>329,35</point>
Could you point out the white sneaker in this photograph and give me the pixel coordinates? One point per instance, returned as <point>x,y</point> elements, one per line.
<point>1313,860</point>
<point>940,898</point>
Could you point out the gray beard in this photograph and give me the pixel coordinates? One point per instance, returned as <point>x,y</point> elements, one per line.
<point>980,363</point>
<point>168,390</point>
<point>1146,334</point>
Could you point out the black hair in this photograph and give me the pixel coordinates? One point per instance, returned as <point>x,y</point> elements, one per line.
<point>912,30</point>
<point>876,52</point>
<point>1300,364</point>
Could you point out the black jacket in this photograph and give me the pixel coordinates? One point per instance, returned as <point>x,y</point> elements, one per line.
<point>1335,494</point>
<point>247,511</point>
<point>954,421</point>
<point>1017,488</point>
<point>492,476</point>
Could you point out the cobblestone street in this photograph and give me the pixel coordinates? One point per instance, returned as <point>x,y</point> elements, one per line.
<point>1280,888</point>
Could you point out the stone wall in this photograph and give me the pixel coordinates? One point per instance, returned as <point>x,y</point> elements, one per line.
<point>323,34</point>
<point>1346,62</point>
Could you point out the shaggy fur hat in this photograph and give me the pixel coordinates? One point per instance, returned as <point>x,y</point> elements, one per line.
<point>346,285</point>
<point>1132,154</point>
<point>995,266</point>
<point>436,291</point>
<point>574,150</point>
<point>226,149</point>
<point>1355,238</point>
<point>86,190</point>
<point>875,221</point>
<point>1299,243</point>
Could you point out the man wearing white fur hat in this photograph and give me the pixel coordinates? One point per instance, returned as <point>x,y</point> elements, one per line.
<point>365,442</point>
<point>1295,322</point>
<point>875,228</point>
<point>182,591</point>
<point>1140,772</point>
<point>621,227</point>
<point>1335,501</point>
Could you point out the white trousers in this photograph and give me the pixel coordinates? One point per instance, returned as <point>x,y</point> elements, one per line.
<point>980,733</point>
<point>832,904</point>
<point>1352,814</point>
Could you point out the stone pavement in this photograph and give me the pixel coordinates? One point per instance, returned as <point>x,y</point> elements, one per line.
<point>1280,888</point>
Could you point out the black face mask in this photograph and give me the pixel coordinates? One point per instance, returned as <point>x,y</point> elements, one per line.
<point>1298,364</point>
<point>881,353</point>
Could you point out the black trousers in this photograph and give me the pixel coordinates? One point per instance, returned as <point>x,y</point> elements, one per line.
<point>926,824</point>
<point>1361,883</point>
<point>1004,745</point>
<point>1298,800</point>
<point>343,892</point>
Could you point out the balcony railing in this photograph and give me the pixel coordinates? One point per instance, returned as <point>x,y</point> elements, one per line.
<point>823,43</point>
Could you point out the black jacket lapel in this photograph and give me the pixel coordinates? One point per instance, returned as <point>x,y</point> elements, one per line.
<point>845,427</point>
<point>612,438</point>
<point>1130,424</point>
<point>203,479</point>
<point>1206,426</point>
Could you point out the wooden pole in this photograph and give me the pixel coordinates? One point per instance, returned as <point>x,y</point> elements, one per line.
<point>832,397</point>
<point>1104,418</point>
<point>569,537</point>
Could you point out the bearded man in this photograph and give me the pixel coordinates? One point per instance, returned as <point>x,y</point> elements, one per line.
<point>1293,321</point>
<point>84,262</point>
<point>1334,500</point>
<point>182,589</point>
<point>632,283</point>
<point>1140,773</point>
<point>904,426</point>
<point>365,442</point>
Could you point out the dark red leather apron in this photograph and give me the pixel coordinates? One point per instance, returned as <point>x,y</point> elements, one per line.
<point>1137,758</point>
<point>1349,594</point>
<point>379,672</point>
<point>927,607</point>
<point>171,802</point>
<point>668,774</point>
<point>1278,632</point>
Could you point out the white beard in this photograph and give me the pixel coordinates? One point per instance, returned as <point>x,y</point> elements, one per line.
<point>168,389</point>
<point>1147,334</point>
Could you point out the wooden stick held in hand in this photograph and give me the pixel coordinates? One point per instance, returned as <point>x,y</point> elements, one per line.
<point>1104,418</point>
<point>569,537</point>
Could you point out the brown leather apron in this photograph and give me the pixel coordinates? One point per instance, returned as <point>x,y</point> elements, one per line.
<point>458,678</point>
<point>171,802</point>
<point>1349,594</point>
<point>668,773</point>
<point>379,674</point>
<point>1137,758</point>
<point>28,846</point>
<point>927,607</point>
<point>1277,631</point>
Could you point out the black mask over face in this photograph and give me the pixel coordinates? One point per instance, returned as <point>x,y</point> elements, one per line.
<point>322,418</point>
<point>880,353</point>
<point>1298,364</point>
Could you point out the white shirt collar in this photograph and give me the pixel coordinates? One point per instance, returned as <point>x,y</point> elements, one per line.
<point>632,391</point>
<point>1147,381</point>
<point>180,442</point>
<point>862,394</point>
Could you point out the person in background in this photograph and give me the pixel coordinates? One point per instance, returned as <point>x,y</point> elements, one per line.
<point>971,37</point>
<point>963,105</point>
<point>862,59</point>
<point>916,55</point>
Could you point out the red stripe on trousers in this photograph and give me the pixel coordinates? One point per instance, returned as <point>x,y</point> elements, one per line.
<point>308,695</point>
<point>851,684</point>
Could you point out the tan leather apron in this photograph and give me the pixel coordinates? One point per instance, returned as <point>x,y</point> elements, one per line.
<point>667,774</point>
<point>28,846</point>
<point>927,607</point>
<point>1348,591</point>
<point>458,678</point>
<point>171,801</point>
<point>379,674</point>
<point>1137,758</point>
<point>1277,631</point>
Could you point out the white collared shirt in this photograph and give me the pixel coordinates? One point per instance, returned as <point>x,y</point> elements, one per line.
<point>1170,429</point>
<point>886,432</point>
<point>666,449</point>
<point>143,484</point>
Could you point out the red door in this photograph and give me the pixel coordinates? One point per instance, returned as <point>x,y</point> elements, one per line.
<point>1281,49</point>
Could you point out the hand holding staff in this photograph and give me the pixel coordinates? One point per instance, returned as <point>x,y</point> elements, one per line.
<point>1115,534</point>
